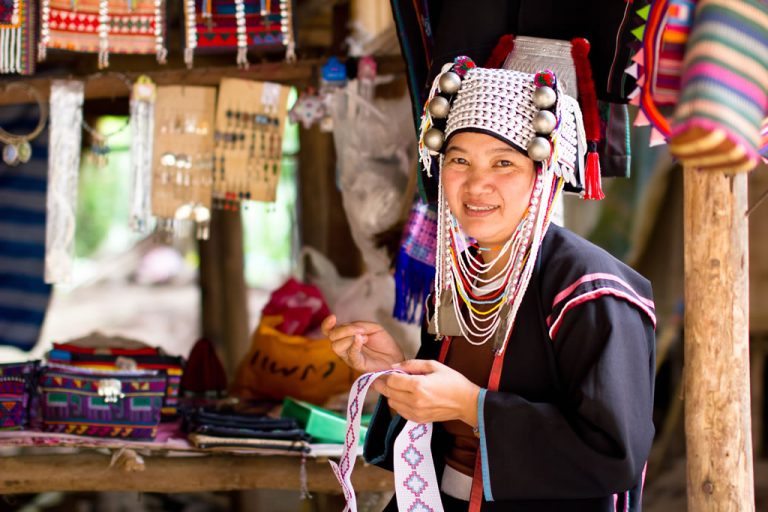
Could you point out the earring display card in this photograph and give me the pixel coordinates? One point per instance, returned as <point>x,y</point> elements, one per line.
<point>183,151</point>
<point>250,118</point>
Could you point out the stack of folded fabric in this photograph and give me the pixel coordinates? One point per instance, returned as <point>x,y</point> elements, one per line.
<point>211,429</point>
<point>107,353</point>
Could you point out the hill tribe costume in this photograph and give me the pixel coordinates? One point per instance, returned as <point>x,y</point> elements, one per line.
<point>561,341</point>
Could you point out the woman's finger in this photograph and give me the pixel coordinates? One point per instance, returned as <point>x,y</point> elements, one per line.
<point>328,323</point>
<point>355,352</point>
<point>341,347</point>
<point>343,331</point>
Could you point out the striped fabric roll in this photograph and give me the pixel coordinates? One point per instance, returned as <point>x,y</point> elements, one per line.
<point>23,294</point>
<point>724,97</point>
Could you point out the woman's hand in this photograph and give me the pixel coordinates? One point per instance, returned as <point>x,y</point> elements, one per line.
<point>364,346</point>
<point>431,392</point>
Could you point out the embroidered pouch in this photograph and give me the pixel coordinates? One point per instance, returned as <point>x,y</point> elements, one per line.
<point>171,366</point>
<point>123,404</point>
<point>16,394</point>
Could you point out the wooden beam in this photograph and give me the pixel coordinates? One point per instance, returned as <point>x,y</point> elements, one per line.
<point>112,84</point>
<point>91,472</point>
<point>716,374</point>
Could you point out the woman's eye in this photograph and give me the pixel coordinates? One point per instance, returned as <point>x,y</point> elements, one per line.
<point>504,163</point>
<point>459,160</point>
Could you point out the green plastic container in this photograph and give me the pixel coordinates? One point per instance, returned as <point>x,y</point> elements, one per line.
<point>323,425</point>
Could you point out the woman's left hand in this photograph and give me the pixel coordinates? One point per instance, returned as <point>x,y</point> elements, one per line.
<point>431,392</point>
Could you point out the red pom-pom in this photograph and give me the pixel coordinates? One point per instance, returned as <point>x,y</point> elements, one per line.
<point>462,64</point>
<point>546,77</point>
<point>499,54</point>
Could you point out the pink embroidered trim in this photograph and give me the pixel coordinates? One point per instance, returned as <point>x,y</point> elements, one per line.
<point>594,294</point>
<point>594,277</point>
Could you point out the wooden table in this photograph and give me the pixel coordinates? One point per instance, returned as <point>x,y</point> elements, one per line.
<point>91,471</point>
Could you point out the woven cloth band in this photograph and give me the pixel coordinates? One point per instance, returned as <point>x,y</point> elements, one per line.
<point>416,485</point>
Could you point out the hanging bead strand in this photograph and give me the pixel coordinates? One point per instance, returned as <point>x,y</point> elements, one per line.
<point>191,21</point>
<point>242,36</point>
<point>45,29</point>
<point>160,50</point>
<point>103,31</point>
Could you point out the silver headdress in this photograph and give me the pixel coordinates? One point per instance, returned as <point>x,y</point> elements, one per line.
<point>529,112</point>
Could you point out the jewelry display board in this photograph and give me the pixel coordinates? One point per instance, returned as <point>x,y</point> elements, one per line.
<point>250,118</point>
<point>182,156</point>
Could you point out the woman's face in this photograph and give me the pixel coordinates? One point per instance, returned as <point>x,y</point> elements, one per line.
<point>488,186</point>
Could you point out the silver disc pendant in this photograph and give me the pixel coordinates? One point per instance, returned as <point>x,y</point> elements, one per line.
<point>10,154</point>
<point>24,150</point>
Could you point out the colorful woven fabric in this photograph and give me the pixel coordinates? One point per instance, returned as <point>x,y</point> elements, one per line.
<point>102,404</point>
<point>657,66</point>
<point>12,398</point>
<point>136,27</point>
<point>725,87</point>
<point>17,36</point>
<point>415,266</point>
<point>213,25</point>
<point>16,394</point>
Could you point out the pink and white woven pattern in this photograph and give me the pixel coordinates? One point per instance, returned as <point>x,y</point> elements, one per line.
<point>415,479</point>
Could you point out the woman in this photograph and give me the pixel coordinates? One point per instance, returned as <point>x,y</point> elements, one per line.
<point>537,356</point>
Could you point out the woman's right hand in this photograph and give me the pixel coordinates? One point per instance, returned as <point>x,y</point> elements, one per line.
<point>364,346</point>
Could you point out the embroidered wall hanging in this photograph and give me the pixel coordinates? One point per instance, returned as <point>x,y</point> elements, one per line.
<point>250,118</point>
<point>182,158</point>
<point>244,25</point>
<point>103,27</point>
<point>17,36</point>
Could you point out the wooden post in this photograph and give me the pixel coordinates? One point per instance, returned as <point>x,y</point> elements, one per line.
<point>224,299</point>
<point>716,374</point>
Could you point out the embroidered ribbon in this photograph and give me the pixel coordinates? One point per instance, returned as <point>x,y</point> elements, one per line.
<point>416,485</point>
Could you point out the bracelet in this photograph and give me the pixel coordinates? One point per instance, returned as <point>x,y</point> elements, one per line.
<point>17,149</point>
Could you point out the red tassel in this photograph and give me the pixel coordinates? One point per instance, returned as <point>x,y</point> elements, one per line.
<point>593,188</point>
<point>588,104</point>
<point>499,54</point>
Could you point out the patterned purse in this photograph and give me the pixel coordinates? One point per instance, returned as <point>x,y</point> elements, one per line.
<point>123,404</point>
<point>16,392</point>
<point>116,359</point>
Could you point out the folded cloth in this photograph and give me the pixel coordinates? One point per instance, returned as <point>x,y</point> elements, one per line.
<point>211,442</point>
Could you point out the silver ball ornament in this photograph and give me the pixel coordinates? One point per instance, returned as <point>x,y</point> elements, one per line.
<point>433,139</point>
<point>544,122</point>
<point>544,97</point>
<point>439,107</point>
<point>539,149</point>
<point>449,82</point>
